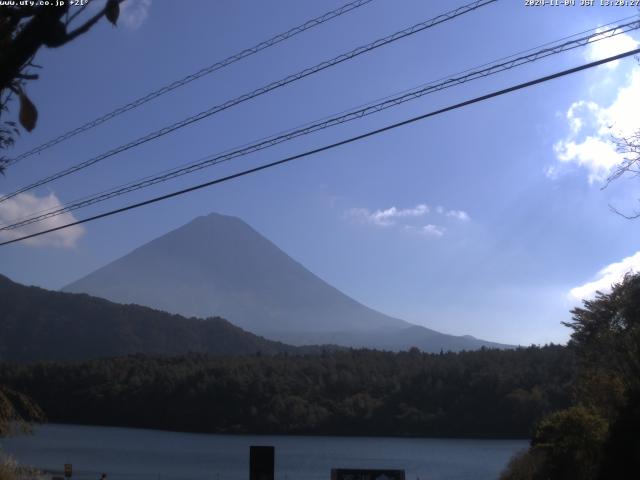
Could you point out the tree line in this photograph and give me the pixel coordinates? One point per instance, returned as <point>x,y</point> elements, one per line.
<point>486,393</point>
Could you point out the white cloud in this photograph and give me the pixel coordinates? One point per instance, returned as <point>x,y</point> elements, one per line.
<point>600,47</point>
<point>459,214</point>
<point>133,13</point>
<point>590,144</point>
<point>574,117</point>
<point>387,217</point>
<point>25,205</point>
<point>417,211</point>
<point>432,230</point>
<point>407,218</point>
<point>597,155</point>
<point>609,275</point>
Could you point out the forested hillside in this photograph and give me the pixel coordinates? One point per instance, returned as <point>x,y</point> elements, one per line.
<point>486,393</point>
<point>38,324</point>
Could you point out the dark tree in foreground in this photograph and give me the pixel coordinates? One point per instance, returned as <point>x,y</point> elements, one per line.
<point>597,438</point>
<point>16,412</point>
<point>24,29</point>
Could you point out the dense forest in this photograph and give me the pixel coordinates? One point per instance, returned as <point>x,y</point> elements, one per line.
<point>486,393</point>
<point>38,324</point>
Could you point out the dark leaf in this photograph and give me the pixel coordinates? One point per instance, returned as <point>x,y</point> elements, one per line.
<point>112,11</point>
<point>28,113</point>
<point>56,35</point>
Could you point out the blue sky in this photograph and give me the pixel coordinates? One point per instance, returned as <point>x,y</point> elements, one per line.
<point>490,220</point>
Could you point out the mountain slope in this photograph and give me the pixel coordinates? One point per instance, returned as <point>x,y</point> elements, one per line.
<point>219,265</point>
<point>38,324</point>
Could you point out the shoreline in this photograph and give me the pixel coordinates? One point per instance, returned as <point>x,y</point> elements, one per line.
<point>284,435</point>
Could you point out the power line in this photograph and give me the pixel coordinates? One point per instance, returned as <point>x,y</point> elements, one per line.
<point>371,133</point>
<point>348,7</point>
<point>513,61</point>
<point>603,29</point>
<point>466,76</point>
<point>599,35</point>
<point>260,91</point>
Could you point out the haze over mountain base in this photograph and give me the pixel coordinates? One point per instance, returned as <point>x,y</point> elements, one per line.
<point>218,265</point>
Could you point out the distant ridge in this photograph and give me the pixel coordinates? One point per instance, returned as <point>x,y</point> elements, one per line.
<point>219,265</point>
<point>40,325</point>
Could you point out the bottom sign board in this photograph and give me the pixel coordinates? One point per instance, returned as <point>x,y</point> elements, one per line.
<point>366,474</point>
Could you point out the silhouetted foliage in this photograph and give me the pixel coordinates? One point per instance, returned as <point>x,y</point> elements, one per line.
<point>16,412</point>
<point>526,465</point>
<point>24,29</point>
<point>597,438</point>
<point>606,332</point>
<point>571,440</point>
<point>621,456</point>
<point>485,393</point>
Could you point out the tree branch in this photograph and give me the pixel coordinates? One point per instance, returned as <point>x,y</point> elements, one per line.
<point>27,76</point>
<point>80,10</point>
<point>87,25</point>
<point>628,217</point>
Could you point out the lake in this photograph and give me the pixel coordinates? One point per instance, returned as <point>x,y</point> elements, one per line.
<point>135,454</point>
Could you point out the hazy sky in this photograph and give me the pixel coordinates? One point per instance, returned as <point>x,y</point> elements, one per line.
<point>490,220</point>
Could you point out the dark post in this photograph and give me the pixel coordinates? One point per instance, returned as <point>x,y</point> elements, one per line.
<point>261,463</point>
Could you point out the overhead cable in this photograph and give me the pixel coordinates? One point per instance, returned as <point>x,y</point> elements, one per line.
<point>467,76</point>
<point>308,153</point>
<point>255,93</point>
<point>194,76</point>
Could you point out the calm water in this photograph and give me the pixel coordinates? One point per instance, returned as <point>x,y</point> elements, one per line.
<point>132,454</point>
